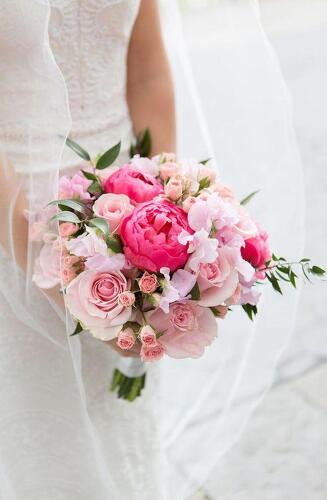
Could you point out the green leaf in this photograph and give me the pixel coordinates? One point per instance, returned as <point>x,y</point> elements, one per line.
<point>77,330</point>
<point>66,217</point>
<point>195,292</point>
<point>101,224</point>
<point>274,282</point>
<point>114,243</point>
<point>204,183</point>
<point>305,260</point>
<point>250,310</point>
<point>108,157</point>
<point>73,204</point>
<point>142,145</point>
<point>248,198</point>
<point>317,270</point>
<point>95,187</point>
<point>90,176</point>
<point>78,149</point>
<point>293,277</point>
<point>204,162</point>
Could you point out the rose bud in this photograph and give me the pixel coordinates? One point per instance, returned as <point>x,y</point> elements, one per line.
<point>148,283</point>
<point>126,299</point>
<point>126,339</point>
<point>148,336</point>
<point>152,353</point>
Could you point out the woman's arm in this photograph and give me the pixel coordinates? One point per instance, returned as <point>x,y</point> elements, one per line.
<point>150,92</point>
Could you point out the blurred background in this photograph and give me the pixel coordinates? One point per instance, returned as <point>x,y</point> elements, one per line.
<point>281,455</point>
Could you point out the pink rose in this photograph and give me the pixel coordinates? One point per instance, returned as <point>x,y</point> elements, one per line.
<point>138,186</point>
<point>126,299</point>
<point>217,280</point>
<point>174,188</point>
<point>126,339</point>
<point>67,229</point>
<point>256,250</point>
<point>70,265</point>
<point>188,328</point>
<point>148,283</point>
<point>150,236</point>
<point>148,336</point>
<point>168,170</point>
<point>152,353</point>
<point>93,299</point>
<point>188,203</point>
<point>112,208</point>
<point>74,187</point>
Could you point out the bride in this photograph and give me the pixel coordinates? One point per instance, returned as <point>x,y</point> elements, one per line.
<point>97,70</point>
<point>53,444</point>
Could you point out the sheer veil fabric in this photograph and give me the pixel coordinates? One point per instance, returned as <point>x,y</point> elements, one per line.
<point>62,435</point>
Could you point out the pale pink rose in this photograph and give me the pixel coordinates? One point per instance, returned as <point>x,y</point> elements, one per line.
<point>150,236</point>
<point>217,280</point>
<point>187,328</point>
<point>93,299</point>
<point>148,336</point>
<point>126,299</point>
<point>152,353</point>
<point>126,339</point>
<point>138,186</point>
<point>206,172</point>
<point>47,265</point>
<point>235,298</point>
<point>221,311</point>
<point>148,283</point>
<point>112,208</point>
<point>70,267</point>
<point>256,250</point>
<point>66,229</point>
<point>74,187</point>
<point>224,192</point>
<point>168,170</point>
<point>174,188</point>
<point>188,203</point>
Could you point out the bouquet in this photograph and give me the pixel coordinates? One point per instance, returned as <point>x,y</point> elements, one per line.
<point>151,253</point>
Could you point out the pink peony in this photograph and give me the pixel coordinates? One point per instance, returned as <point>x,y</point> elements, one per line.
<point>93,298</point>
<point>152,353</point>
<point>112,208</point>
<point>67,229</point>
<point>256,250</point>
<point>148,283</point>
<point>74,187</point>
<point>150,236</point>
<point>126,339</point>
<point>148,336</point>
<point>138,186</point>
<point>187,328</point>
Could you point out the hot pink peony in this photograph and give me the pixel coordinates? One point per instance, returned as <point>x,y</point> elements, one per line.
<point>138,186</point>
<point>150,236</point>
<point>256,250</point>
<point>93,298</point>
<point>187,329</point>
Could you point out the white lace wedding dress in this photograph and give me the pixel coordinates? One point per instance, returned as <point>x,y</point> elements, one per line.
<point>61,437</point>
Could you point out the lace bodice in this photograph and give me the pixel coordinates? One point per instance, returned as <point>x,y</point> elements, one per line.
<point>89,40</point>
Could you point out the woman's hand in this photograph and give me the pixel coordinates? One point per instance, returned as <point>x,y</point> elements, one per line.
<point>131,353</point>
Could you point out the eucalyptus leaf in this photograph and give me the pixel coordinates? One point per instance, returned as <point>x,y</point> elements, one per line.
<point>101,224</point>
<point>250,310</point>
<point>317,270</point>
<point>78,149</point>
<point>78,329</point>
<point>108,157</point>
<point>114,243</point>
<point>73,204</point>
<point>66,217</point>
<point>204,183</point>
<point>95,187</point>
<point>90,176</point>
<point>204,162</point>
<point>248,198</point>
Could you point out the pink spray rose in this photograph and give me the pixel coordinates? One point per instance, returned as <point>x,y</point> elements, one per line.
<point>93,298</point>
<point>67,229</point>
<point>138,186</point>
<point>126,339</point>
<point>126,299</point>
<point>174,188</point>
<point>256,250</point>
<point>148,283</point>
<point>148,336</point>
<point>188,328</point>
<point>74,187</point>
<point>112,208</point>
<point>152,353</point>
<point>168,170</point>
<point>150,236</point>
